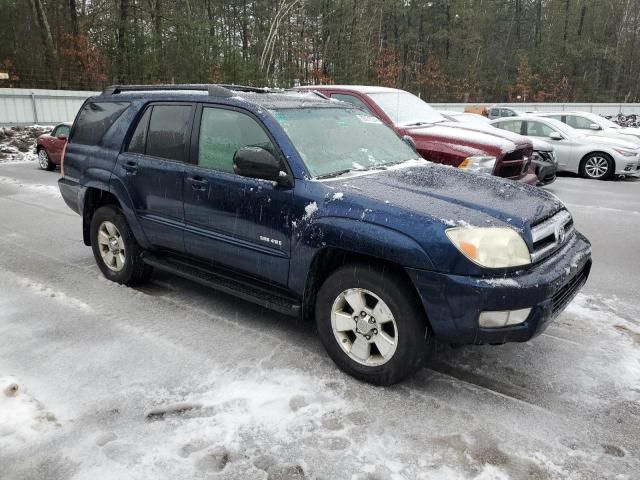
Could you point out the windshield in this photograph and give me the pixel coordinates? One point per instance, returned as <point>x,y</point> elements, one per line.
<point>332,141</point>
<point>405,109</point>
<point>603,122</point>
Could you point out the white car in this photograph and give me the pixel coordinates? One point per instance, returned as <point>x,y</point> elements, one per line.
<point>471,119</point>
<point>588,155</point>
<point>593,124</point>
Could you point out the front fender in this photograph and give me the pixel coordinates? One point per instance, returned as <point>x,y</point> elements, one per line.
<point>353,236</point>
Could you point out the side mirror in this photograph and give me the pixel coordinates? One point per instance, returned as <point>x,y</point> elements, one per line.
<point>555,136</point>
<point>595,126</point>
<point>256,162</point>
<point>62,137</point>
<point>411,142</point>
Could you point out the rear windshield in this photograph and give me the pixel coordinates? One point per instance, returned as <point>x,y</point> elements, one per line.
<point>331,140</point>
<point>94,120</point>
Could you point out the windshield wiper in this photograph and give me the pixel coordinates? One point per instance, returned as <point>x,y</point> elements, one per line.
<point>333,174</point>
<point>416,124</point>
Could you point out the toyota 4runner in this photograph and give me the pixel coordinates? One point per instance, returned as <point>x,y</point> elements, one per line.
<point>314,208</point>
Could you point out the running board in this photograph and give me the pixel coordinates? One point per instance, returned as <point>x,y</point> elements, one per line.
<point>225,283</point>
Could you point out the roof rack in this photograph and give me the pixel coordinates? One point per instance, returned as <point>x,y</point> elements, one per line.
<point>213,89</point>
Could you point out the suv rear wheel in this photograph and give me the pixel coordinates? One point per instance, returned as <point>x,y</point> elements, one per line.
<point>115,249</point>
<point>371,324</point>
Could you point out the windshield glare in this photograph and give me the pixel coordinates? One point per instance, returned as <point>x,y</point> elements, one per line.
<point>333,140</point>
<point>404,108</point>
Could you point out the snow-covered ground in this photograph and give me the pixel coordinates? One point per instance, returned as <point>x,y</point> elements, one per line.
<point>16,143</point>
<point>172,380</point>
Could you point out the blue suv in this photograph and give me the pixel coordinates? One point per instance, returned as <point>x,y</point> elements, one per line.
<point>314,208</point>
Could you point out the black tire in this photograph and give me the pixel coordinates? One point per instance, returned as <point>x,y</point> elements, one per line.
<point>587,170</point>
<point>412,335</point>
<point>133,269</point>
<point>44,162</point>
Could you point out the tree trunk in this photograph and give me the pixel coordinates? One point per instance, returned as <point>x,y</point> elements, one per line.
<point>51,54</point>
<point>122,57</point>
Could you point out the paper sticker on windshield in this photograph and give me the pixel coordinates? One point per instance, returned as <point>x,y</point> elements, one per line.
<point>368,119</point>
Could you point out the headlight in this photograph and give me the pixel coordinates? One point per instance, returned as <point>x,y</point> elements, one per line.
<point>626,153</point>
<point>490,247</point>
<point>479,164</point>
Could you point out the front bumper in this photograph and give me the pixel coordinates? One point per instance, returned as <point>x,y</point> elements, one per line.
<point>545,171</point>
<point>453,302</point>
<point>624,166</point>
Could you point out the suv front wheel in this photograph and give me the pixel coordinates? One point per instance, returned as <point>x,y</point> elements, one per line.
<point>371,323</point>
<point>115,249</point>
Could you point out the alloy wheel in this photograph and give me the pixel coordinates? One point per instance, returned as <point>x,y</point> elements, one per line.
<point>111,246</point>
<point>43,159</point>
<point>364,327</point>
<point>596,166</point>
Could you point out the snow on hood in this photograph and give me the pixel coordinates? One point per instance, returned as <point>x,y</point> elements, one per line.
<point>541,145</point>
<point>449,196</point>
<point>483,139</point>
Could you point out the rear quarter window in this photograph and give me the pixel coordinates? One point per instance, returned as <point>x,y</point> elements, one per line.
<point>95,119</point>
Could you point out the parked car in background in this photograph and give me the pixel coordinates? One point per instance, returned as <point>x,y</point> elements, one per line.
<point>436,138</point>
<point>588,155</point>
<point>497,111</point>
<point>317,209</point>
<point>543,160</point>
<point>467,118</point>
<point>50,146</point>
<point>593,124</point>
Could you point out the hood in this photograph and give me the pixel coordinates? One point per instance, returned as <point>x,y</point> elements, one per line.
<point>541,145</point>
<point>480,139</point>
<point>631,144</point>
<point>447,196</point>
<point>630,131</point>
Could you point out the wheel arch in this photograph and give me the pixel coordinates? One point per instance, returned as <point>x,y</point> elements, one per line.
<point>329,259</point>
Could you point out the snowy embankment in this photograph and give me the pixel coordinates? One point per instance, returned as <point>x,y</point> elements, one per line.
<point>16,143</point>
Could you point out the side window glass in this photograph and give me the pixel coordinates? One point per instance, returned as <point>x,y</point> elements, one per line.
<point>95,119</point>
<point>62,130</point>
<point>167,136</point>
<point>580,123</point>
<point>494,112</point>
<point>513,126</point>
<point>507,113</point>
<point>223,132</point>
<point>351,99</point>
<point>537,129</point>
<point>139,137</point>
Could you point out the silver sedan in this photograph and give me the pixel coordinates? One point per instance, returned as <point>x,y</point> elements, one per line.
<point>588,155</point>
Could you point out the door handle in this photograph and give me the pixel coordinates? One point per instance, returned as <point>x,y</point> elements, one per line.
<point>198,183</point>
<point>131,168</point>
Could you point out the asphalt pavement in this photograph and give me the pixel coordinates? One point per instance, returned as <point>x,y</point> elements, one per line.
<point>173,380</point>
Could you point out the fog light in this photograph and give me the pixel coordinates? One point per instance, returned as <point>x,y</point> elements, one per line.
<point>503,319</point>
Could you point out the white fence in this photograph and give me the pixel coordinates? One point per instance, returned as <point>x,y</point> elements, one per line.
<point>599,108</point>
<point>21,106</point>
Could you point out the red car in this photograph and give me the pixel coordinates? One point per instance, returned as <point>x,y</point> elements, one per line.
<point>50,146</point>
<point>438,139</point>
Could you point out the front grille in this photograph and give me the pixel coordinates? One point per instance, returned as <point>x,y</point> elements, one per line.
<point>551,234</point>
<point>569,290</point>
<point>514,163</point>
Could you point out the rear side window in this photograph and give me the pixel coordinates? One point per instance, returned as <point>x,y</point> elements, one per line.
<point>167,136</point>
<point>95,119</point>
<point>61,130</point>
<point>351,99</point>
<point>512,126</point>
<point>139,137</point>
<point>222,133</point>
